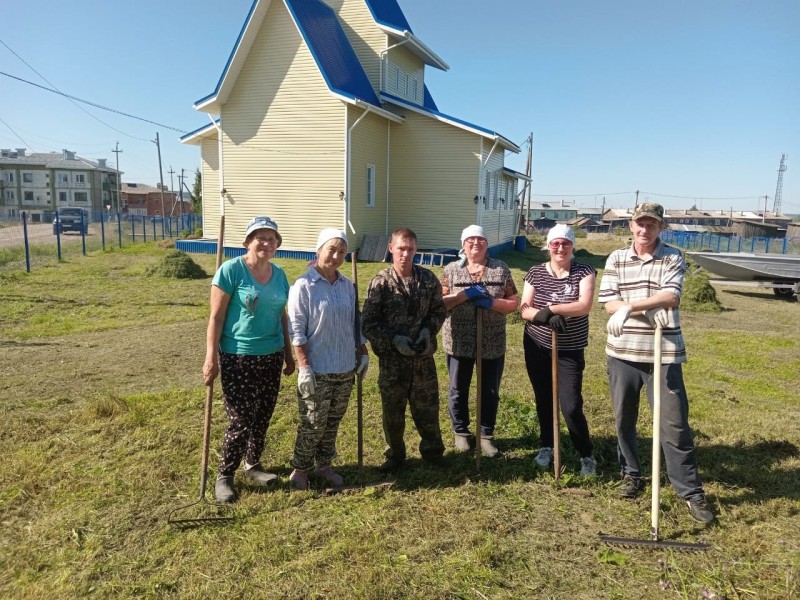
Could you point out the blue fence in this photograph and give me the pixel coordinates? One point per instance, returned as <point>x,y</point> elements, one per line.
<point>26,243</point>
<point>690,240</point>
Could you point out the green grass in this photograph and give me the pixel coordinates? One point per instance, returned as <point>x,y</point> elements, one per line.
<point>102,428</point>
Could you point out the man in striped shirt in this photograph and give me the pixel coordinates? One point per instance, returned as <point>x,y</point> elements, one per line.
<point>641,287</point>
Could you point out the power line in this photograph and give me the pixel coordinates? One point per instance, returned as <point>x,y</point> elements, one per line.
<point>113,110</point>
<point>99,120</point>
<point>15,133</point>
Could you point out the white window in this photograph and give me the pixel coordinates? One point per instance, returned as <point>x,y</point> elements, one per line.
<point>370,185</point>
<point>63,179</point>
<point>62,197</point>
<point>555,215</point>
<point>10,195</point>
<point>9,176</point>
<point>81,197</point>
<point>80,178</point>
<point>28,196</point>
<point>27,178</point>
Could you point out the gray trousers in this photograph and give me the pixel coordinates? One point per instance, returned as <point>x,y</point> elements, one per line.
<point>320,416</point>
<point>625,380</point>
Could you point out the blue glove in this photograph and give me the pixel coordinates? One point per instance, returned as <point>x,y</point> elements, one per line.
<point>476,291</point>
<point>486,302</point>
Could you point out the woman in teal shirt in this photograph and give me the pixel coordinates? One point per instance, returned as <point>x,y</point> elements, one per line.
<point>247,342</point>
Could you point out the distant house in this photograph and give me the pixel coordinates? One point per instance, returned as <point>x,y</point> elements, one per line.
<point>322,118</point>
<point>617,217</point>
<point>595,213</point>
<point>561,211</point>
<point>40,183</point>
<point>142,199</point>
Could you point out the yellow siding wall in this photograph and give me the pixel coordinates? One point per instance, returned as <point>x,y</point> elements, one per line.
<point>497,222</point>
<point>209,172</point>
<point>284,137</point>
<point>434,178</point>
<point>411,75</point>
<point>369,139</point>
<point>365,37</point>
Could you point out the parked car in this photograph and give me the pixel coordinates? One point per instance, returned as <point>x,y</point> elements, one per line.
<point>69,219</point>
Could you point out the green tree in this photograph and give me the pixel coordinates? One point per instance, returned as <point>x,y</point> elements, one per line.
<point>197,194</point>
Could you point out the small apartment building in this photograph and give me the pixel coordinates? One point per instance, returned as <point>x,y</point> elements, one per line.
<point>560,211</point>
<point>41,183</point>
<point>139,199</point>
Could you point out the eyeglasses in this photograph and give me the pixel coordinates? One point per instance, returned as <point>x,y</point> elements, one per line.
<point>475,241</point>
<point>560,244</point>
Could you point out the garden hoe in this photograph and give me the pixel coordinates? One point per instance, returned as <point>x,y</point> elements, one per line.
<point>172,518</point>
<point>556,437</point>
<point>654,541</point>
<point>360,487</point>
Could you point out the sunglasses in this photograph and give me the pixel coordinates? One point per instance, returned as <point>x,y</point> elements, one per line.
<point>560,244</point>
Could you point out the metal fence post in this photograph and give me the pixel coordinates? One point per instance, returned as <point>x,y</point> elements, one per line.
<point>58,235</point>
<point>25,237</point>
<point>84,225</point>
<point>144,229</point>
<point>119,229</point>
<point>103,231</point>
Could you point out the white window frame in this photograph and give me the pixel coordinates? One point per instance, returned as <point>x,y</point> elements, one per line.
<point>63,197</point>
<point>27,196</point>
<point>10,196</point>
<point>370,186</point>
<point>63,179</point>
<point>9,177</point>
<point>85,198</point>
<point>80,179</point>
<point>27,177</point>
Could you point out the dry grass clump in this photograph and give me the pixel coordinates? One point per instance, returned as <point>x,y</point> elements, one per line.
<point>177,265</point>
<point>698,294</point>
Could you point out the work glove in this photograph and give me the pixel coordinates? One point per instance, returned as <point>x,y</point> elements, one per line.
<point>657,316</point>
<point>423,343</point>
<point>558,323</point>
<point>403,344</point>
<point>487,302</point>
<point>617,320</point>
<point>476,292</point>
<point>363,364</point>
<point>543,317</point>
<point>306,384</point>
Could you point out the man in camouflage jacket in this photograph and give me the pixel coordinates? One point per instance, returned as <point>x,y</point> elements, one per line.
<point>402,314</point>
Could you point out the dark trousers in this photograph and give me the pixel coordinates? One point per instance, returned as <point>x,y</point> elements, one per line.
<point>250,386</point>
<point>412,382</point>
<point>460,370</point>
<point>626,380</point>
<point>538,361</point>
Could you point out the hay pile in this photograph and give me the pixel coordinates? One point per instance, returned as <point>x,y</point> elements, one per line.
<point>698,294</point>
<point>177,265</point>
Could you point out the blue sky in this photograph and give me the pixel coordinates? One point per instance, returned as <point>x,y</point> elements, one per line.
<point>683,98</point>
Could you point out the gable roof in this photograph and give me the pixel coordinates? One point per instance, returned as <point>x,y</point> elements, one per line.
<point>326,40</point>
<point>390,19</point>
<point>460,123</point>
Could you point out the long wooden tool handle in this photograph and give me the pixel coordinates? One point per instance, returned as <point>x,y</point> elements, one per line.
<point>359,376</point>
<point>554,373</point>
<point>656,459</point>
<point>478,384</point>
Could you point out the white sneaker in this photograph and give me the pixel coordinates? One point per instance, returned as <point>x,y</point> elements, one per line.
<point>544,458</point>
<point>588,466</point>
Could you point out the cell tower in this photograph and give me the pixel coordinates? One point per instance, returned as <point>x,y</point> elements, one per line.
<point>776,207</point>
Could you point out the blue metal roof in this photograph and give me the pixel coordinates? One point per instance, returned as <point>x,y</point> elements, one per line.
<point>335,57</point>
<point>205,127</point>
<point>427,101</point>
<point>389,13</point>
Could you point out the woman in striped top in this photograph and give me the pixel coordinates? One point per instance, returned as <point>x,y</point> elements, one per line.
<point>558,295</point>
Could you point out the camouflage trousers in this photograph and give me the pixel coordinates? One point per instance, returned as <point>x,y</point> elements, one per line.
<point>410,381</point>
<point>320,415</point>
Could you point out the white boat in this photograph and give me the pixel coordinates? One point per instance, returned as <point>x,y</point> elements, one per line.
<point>780,272</point>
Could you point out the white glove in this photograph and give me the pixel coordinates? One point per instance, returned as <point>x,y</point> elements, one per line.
<point>363,363</point>
<point>306,384</point>
<point>617,320</point>
<point>657,316</point>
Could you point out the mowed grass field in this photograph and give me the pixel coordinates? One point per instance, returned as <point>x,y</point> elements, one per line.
<point>102,411</point>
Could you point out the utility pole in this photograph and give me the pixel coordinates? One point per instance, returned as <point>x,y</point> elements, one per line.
<point>180,191</point>
<point>117,151</point>
<point>776,202</point>
<point>157,142</point>
<point>171,189</point>
<point>764,214</point>
<point>636,202</point>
